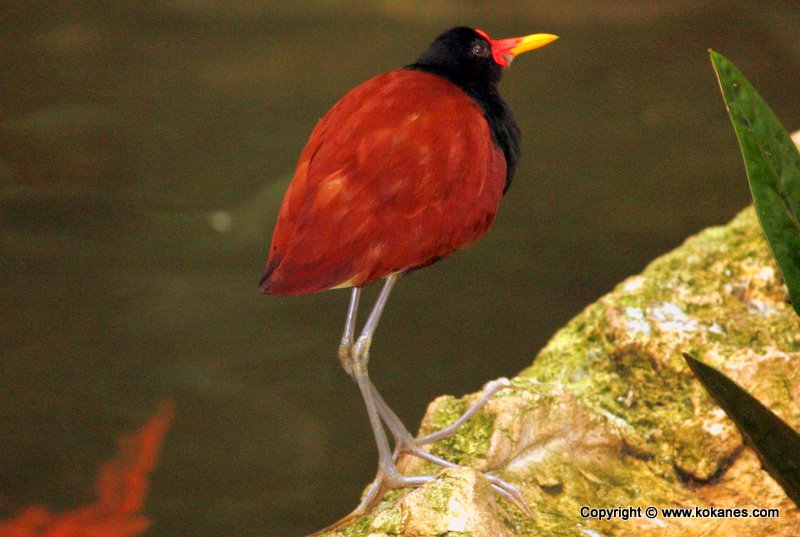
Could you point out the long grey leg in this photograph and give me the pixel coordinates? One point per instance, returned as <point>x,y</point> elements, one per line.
<point>359,367</point>
<point>365,339</point>
<point>402,437</point>
<point>348,338</point>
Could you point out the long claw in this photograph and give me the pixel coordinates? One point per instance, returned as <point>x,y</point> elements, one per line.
<point>511,493</point>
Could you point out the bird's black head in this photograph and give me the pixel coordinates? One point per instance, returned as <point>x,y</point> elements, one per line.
<point>462,54</point>
<point>471,57</point>
<point>474,62</point>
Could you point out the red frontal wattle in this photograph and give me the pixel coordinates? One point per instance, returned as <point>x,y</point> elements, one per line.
<point>497,54</point>
<point>399,173</point>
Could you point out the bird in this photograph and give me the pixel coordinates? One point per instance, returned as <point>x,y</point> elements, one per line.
<point>404,170</point>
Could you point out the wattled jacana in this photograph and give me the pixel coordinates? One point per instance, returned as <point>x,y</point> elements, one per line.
<point>407,168</point>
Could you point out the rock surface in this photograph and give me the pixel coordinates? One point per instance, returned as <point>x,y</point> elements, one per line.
<point>609,415</point>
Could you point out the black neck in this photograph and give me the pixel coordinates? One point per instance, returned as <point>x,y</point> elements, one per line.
<point>505,132</point>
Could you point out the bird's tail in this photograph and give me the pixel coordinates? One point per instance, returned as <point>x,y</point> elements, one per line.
<point>265,284</point>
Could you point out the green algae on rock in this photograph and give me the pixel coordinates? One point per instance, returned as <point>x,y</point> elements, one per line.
<point>609,414</point>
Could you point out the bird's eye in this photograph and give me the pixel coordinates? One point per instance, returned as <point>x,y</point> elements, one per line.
<point>480,49</point>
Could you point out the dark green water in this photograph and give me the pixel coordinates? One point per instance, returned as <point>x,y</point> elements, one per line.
<point>144,150</point>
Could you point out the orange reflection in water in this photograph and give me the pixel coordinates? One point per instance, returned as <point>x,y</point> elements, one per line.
<point>121,489</point>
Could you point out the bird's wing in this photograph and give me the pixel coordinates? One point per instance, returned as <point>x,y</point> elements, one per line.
<point>401,172</point>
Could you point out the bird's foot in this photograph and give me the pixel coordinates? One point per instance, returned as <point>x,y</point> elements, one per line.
<point>384,482</point>
<point>412,446</point>
<point>505,489</point>
<point>389,478</point>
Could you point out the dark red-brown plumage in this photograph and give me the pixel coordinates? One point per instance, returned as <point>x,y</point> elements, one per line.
<point>404,170</point>
<point>401,172</point>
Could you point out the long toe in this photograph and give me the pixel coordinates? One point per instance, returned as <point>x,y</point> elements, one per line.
<point>490,389</point>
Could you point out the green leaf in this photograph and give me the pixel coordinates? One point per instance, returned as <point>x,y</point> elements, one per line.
<point>775,442</point>
<point>773,169</point>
